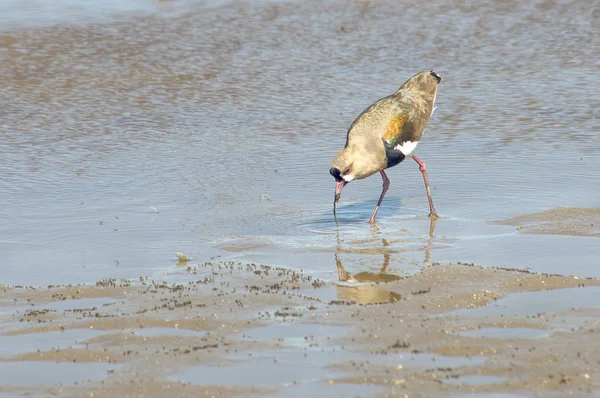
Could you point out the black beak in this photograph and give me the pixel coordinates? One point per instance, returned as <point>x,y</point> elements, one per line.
<point>437,77</point>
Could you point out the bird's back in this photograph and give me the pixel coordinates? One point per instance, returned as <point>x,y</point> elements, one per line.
<point>398,118</point>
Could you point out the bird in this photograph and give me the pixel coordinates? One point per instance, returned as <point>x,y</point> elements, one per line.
<point>385,134</point>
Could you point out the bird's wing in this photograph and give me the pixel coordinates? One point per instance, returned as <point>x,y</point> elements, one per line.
<point>389,120</point>
<point>399,131</point>
<point>394,128</point>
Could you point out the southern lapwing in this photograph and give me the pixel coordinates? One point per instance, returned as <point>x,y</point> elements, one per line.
<point>385,134</point>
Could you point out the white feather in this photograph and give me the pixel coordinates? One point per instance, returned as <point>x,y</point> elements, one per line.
<point>407,148</point>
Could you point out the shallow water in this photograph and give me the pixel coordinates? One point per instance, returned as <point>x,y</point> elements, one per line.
<point>517,333</point>
<point>476,379</point>
<point>13,345</point>
<point>209,131</point>
<point>542,302</point>
<point>50,373</point>
<point>488,395</point>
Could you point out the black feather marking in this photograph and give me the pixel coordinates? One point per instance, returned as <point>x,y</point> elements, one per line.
<point>393,156</point>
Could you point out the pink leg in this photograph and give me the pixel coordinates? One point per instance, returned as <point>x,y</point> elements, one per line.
<point>423,168</point>
<point>386,184</point>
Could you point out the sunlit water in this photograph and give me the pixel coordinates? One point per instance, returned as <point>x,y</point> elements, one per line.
<point>128,134</point>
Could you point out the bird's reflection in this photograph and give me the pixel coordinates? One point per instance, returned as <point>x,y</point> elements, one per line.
<point>432,221</point>
<point>366,277</point>
<point>369,294</point>
<point>365,294</point>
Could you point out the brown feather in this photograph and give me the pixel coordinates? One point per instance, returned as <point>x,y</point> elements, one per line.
<point>395,126</point>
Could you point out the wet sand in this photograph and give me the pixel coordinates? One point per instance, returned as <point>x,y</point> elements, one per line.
<point>229,329</point>
<point>560,221</point>
<point>134,131</point>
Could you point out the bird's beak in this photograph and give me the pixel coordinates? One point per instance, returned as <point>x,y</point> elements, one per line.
<point>339,185</point>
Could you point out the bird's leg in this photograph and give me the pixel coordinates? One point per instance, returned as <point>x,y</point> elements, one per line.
<point>386,184</point>
<point>423,168</point>
<point>343,275</point>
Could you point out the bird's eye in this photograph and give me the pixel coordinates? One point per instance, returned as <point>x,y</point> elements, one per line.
<point>347,171</point>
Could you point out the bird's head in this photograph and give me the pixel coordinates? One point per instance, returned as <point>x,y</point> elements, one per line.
<point>423,83</point>
<point>342,170</point>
